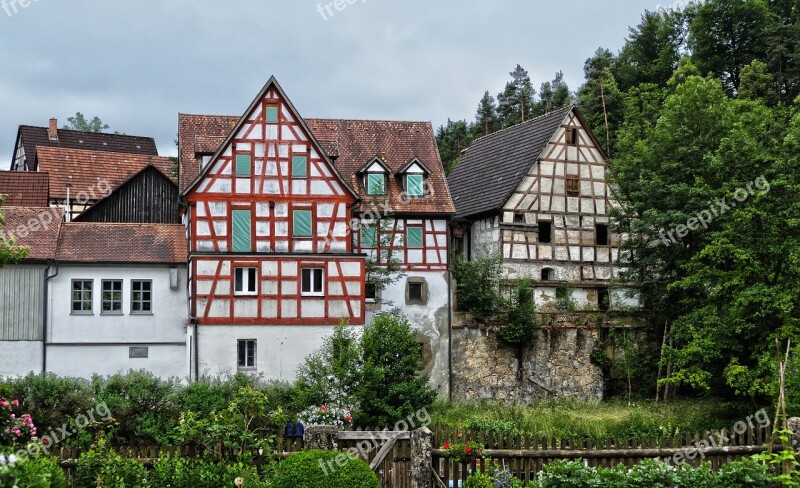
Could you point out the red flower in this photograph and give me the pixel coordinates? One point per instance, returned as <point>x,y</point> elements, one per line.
<point>323,408</point>
<point>45,442</point>
<point>446,445</point>
<point>468,449</point>
<point>348,418</point>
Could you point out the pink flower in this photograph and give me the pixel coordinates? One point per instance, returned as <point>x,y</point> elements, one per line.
<point>16,403</point>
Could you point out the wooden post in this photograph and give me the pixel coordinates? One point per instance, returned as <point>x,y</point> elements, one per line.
<point>421,458</point>
<point>320,437</point>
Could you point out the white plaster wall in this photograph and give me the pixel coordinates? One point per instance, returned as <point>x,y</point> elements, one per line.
<point>18,358</point>
<point>280,349</point>
<point>82,361</point>
<point>166,324</point>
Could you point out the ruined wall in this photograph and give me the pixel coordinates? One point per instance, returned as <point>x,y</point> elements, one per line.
<point>558,364</point>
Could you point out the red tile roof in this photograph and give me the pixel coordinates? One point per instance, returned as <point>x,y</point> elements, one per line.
<point>24,188</point>
<point>34,227</point>
<point>94,242</point>
<point>93,172</point>
<point>352,142</point>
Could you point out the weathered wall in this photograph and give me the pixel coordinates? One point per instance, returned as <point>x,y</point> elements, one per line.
<point>558,364</point>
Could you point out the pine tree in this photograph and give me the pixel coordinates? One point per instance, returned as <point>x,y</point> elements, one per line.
<point>486,120</point>
<point>515,103</point>
<point>553,95</point>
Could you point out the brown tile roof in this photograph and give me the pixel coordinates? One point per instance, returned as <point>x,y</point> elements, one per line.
<point>24,188</point>
<point>92,141</point>
<point>88,168</point>
<point>34,227</point>
<point>352,142</point>
<point>493,166</point>
<point>94,242</point>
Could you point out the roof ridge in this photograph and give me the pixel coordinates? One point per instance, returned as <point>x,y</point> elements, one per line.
<point>395,121</point>
<point>517,125</point>
<point>88,132</point>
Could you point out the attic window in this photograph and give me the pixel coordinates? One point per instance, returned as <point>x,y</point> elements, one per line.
<point>573,186</point>
<point>376,184</point>
<point>415,185</point>
<point>243,165</point>
<point>571,136</point>
<point>299,167</point>
<point>545,232</point>
<point>519,218</point>
<point>601,234</point>
<point>272,113</point>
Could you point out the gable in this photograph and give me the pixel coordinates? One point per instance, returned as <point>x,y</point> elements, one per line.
<point>271,152</point>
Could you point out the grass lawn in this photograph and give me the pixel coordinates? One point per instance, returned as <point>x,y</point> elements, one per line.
<point>572,419</point>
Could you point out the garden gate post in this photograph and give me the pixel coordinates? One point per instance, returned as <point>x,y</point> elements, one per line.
<point>794,425</point>
<point>421,458</point>
<point>322,437</point>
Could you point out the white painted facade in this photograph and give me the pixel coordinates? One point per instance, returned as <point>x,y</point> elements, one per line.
<point>82,344</point>
<point>18,358</point>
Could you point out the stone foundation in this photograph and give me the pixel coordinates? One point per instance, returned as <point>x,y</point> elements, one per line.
<point>557,364</point>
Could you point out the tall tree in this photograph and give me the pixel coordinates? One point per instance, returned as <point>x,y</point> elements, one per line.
<point>451,140</point>
<point>600,99</point>
<point>553,95</point>
<point>515,103</point>
<point>726,35</point>
<point>784,48</point>
<point>79,122</point>
<point>486,120</point>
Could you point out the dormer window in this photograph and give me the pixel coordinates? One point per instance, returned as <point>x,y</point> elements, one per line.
<point>415,185</point>
<point>414,175</point>
<point>376,184</point>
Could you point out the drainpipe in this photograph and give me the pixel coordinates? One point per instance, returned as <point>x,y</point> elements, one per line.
<point>449,319</point>
<point>193,320</point>
<point>45,297</point>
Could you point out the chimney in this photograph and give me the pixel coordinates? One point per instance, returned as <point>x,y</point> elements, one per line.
<point>52,131</point>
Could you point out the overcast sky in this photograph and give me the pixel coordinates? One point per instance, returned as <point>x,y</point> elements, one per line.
<point>137,64</point>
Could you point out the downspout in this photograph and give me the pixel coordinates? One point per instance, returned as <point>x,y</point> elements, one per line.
<point>449,319</point>
<point>45,296</point>
<point>196,354</point>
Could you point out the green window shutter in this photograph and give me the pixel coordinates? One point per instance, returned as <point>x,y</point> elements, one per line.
<point>376,184</point>
<point>242,238</point>
<point>243,164</point>
<point>272,114</point>
<point>301,223</point>
<point>414,237</point>
<point>414,185</point>
<point>368,236</point>
<point>299,167</point>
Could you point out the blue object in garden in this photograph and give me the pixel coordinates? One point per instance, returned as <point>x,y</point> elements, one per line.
<point>299,430</point>
<point>289,432</point>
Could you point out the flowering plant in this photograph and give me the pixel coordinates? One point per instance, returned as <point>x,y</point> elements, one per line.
<point>338,417</point>
<point>462,451</point>
<point>16,429</point>
<point>6,467</point>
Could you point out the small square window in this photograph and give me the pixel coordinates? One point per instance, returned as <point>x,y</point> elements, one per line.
<point>272,113</point>
<point>246,354</point>
<point>571,136</point>
<point>376,184</point>
<point>312,282</point>
<point>299,167</point>
<point>414,237</point>
<point>573,186</point>
<point>142,296</point>
<point>519,218</point>
<point>138,352</point>
<point>415,185</point>
<point>245,281</point>
<point>243,162</point>
<point>369,236</point>
<point>112,296</point>
<point>82,296</point>
<point>301,223</point>
<point>416,291</point>
<point>371,291</point>
<point>545,232</point>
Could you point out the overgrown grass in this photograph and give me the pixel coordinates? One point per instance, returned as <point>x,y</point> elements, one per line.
<point>576,420</point>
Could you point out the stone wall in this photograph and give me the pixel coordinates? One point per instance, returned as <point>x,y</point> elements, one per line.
<point>557,364</point>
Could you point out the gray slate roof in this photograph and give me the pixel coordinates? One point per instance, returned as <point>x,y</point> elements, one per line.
<point>493,166</point>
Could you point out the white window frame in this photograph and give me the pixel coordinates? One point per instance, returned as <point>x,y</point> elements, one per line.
<point>248,288</point>
<point>313,282</point>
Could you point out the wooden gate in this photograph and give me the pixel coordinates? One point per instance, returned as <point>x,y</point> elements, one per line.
<point>387,452</point>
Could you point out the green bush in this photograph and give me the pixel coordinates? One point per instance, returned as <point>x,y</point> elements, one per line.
<point>34,472</point>
<point>331,375</point>
<point>478,285</point>
<point>479,480</point>
<point>323,469</point>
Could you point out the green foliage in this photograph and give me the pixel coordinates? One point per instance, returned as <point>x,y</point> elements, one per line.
<point>565,300</point>
<point>782,463</point>
<point>79,122</point>
<point>31,472</point>
<point>451,139</point>
<point>323,469</point>
<point>522,322</point>
<point>479,480</point>
<point>515,103</point>
<point>331,375</point>
<point>478,285</point>
<point>391,387</point>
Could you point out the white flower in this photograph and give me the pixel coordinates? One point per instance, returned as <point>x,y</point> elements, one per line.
<point>12,459</point>
<point>2,460</point>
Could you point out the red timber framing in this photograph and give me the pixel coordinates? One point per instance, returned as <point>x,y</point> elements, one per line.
<point>297,206</point>
<point>433,254</point>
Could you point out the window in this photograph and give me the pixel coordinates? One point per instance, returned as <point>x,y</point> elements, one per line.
<point>299,167</point>
<point>369,236</point>
<point>572,136</point>
<point>603,299</point>
<point>573,186</point>
<point>244,281</point>
<point>312,282</point>
<point>415,185</point>
<point>547,274</point>
<point>545,232</point>
<point>414,237</point>
<point>301,223</point>
<point>519,218</point>
<point>112,296</point>
<point>138,352</point>
<point>141,296</point>
<point>272,113</point>
<point>601,234</point>
<point>247,354</point>
<point>242,236</point>
<point>371,292</point>
<point>416,291</point>
<point>376,184</point>
<point>82,296</point>
<point>243,164</point>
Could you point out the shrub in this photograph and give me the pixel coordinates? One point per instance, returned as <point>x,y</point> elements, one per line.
<point>331,375</point>
<point>16,428</point>
<point>391,387</point>
<point>494,477</point>
<point>183,473</point>
<point>323,469</point>
<point>522,322</point>
<point>31,472</point>
<point>479,480</point>
<point>478,285</point>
